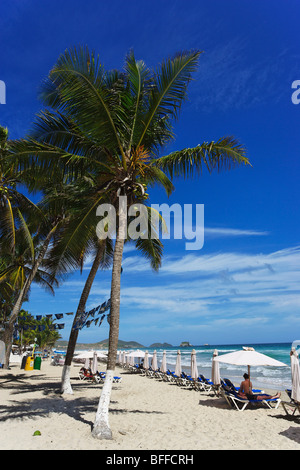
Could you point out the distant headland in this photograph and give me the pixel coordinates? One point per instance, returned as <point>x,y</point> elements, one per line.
<point>121,345</point>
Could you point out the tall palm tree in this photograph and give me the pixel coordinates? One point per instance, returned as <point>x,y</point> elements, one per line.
<point>76,240</point>
<point>114,125</point>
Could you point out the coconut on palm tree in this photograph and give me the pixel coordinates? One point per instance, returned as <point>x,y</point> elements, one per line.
<point>114,126</point>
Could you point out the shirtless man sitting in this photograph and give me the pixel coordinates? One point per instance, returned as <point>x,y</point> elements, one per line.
<point>245,391</point>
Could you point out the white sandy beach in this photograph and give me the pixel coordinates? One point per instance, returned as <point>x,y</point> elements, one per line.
<point>145,414</point>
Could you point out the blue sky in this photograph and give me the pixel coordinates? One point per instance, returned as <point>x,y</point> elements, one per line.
<point>243,285</point>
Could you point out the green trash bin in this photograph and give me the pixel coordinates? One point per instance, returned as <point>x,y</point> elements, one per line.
<point>37,362</point>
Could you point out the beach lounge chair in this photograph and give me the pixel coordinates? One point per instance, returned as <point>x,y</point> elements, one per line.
<point>168,376</point>
<point>208,385</point>
<point>290,407</point>
<point>102,376</point>
<point>150,373</point>
<point>199,385</point>
<point>234,388</point>
<point>99,377</point>
<point>240,404</point>
<point>159,375</point>
<point>189,381</point>
<point>184,380</point>
<point>86,374</point>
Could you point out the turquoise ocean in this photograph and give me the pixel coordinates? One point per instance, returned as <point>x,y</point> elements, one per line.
<point>273,378</point>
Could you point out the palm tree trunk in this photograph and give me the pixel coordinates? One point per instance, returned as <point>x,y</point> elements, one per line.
<point>101,429</point>
<point>8,335</point>
<point>66,383</point>
<point>9,330</point>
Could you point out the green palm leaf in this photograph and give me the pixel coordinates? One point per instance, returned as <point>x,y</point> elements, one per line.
<point>169,90</point>
<point>224,154</point>
<point>77,85</point>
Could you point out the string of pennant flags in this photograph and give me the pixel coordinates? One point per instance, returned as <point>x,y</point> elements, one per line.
<point>86,319</point>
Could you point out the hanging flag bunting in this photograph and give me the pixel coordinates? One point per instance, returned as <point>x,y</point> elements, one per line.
<point>83,320</point>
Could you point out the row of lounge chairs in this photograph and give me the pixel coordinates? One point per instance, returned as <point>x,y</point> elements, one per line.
<point>99,377</point>
<point>226,389</point>
<point>201,383</point>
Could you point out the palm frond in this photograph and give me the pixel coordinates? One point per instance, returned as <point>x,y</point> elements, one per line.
<point>27,235</point>
<point>155,176</point>
<point>152,249</point>
<point>169,90</point>
<point>76,239</point>
<point>224,154</point>
<point>139,79</point>
<point>77,85</point>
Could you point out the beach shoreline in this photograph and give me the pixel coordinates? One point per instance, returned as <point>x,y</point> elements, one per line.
<point>145,414</point>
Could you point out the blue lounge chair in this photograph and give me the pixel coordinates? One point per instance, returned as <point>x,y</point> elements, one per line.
<point>234,388</point>
<point>239,403</point>
<point>208,384</point>
<point>101,377</point>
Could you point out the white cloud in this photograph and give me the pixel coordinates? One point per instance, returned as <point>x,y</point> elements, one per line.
<point>226,286</point>
<point>202,292</point>
<point>232,232</point>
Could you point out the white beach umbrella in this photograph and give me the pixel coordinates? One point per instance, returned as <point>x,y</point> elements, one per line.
<point>123,358</point>
<point>136,353</point>
<point>194,368</point>
<point>146,361</point>
<point>90,355</point>
<point>87,363</point>
<point>178,364</point>
<point>94,367</point>
<point>120,357</point>
<point>154,361</point>
<point>248,357</point>
<point>163,367</point>
<point>215,369</point>
<point>295,370</point>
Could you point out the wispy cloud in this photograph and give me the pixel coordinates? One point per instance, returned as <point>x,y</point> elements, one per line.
<point>233,232</point>
<point>223,284</point>
<point>228,79</point>
<point>198,294</point>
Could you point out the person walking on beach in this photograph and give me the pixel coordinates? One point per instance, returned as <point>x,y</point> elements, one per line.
<point>245,391</point>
